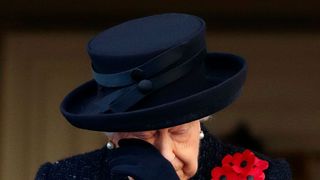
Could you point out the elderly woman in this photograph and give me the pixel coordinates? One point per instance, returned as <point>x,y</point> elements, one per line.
<point>153,84</point>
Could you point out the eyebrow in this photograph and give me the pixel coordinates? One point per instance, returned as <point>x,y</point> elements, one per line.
<point>144,132</point>
<point>183,126</point>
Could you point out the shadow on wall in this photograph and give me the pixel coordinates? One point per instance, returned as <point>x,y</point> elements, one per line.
<point>242,136</point>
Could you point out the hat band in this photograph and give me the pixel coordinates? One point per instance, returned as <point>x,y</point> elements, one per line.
<point>152,67</point>
<point>122,99</point>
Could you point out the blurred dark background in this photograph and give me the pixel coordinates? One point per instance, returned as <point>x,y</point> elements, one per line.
<point>43,57</point>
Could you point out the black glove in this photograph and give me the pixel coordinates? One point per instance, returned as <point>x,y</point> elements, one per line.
<point>140,160</point>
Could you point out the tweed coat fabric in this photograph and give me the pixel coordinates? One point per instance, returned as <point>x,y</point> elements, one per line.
<point>93,165</point>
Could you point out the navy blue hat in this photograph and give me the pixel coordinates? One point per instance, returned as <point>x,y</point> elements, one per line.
<point>152,73</point>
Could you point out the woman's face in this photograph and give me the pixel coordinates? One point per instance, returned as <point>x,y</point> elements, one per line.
<point>179,145</point>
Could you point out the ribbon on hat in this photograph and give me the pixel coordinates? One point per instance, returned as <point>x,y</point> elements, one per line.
<point>137,83</point>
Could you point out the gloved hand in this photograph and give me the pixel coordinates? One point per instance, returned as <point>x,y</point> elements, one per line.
<point>140,160</point>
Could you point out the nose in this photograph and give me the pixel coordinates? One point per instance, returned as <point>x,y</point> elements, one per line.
<point>165,145</point>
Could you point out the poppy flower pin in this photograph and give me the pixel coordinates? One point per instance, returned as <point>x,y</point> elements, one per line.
<point>240,166</point>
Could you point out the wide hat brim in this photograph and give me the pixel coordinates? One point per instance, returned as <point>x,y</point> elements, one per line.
<point>208,88</point>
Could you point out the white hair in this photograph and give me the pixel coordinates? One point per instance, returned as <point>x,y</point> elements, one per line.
<point>110,134</point>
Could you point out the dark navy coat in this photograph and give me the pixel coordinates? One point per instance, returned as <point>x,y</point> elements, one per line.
<point>93,165</point>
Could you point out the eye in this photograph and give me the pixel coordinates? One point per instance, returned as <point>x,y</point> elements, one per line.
<point>179,131</point>
<point>181,135</point>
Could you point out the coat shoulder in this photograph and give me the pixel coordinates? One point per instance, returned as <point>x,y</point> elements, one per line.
<point>82,166</point>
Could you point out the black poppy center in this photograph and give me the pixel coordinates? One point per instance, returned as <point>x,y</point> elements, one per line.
<point>243,164</point>
<point>250,178</point>
<point>223,177</point>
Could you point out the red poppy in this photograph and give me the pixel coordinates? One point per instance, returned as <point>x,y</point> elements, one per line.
<point>220,173</point>
<point>240,166</point>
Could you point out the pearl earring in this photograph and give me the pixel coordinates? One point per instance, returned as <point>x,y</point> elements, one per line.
<point>110,145</point>
<point>201,134</point>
